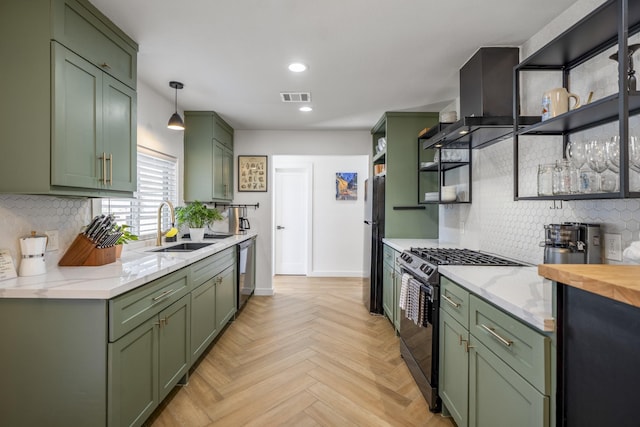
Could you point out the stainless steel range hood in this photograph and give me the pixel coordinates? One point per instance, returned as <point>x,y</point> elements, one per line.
<point>486,102</point>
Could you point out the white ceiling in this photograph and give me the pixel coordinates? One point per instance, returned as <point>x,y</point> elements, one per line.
<point>365,57</point>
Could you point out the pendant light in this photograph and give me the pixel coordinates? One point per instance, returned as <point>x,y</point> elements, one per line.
<point>175,122</point>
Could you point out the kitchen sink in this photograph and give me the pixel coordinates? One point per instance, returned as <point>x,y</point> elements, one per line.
<point>183,247</point>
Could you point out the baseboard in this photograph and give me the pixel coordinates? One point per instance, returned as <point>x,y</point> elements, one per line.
<point>336,274</point>
<point>263,292</point>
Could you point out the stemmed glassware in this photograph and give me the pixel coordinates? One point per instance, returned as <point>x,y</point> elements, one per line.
<point>634,162</point>
<point>576,153</point>
<point>610,180</point>
<point>597,161</point>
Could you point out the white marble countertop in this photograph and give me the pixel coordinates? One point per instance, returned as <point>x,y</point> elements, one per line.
<point>135,268</point>
<point>519,291</point>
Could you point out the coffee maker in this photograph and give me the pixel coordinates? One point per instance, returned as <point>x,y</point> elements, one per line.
<point>238,223</point>
<point>572,243</point>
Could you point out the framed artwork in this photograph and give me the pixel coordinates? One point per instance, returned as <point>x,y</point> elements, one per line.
<point>346,186</point>
<point>252,173</point>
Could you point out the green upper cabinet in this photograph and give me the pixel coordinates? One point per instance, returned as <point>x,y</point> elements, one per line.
<point>70,112</point>
<point>208,157</point>
<point>94,126</point>
<point>404,218</point>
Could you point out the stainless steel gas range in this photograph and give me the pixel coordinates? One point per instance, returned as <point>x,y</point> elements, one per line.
<point>420,303</point>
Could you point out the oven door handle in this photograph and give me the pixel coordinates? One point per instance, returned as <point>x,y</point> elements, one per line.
<point>450,301</point>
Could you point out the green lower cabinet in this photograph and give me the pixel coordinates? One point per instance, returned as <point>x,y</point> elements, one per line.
<point>388,275</point>
<point>454,368</point>
<point>147,363</point>
<point>204,327</point>
<point>498,396</point>
<point>397,284</point>
<point>225,296</point>
<point>493,369</point>
<point>133,376</point>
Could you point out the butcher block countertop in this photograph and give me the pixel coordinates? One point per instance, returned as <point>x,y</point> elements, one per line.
<point>618,282</point>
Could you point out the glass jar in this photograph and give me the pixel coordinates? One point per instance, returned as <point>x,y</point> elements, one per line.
<point>545,179</point>
<point>562,178</point>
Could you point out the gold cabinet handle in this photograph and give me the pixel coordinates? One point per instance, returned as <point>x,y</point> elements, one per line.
<point>163,295</point>
<point>450,301</point>
<point>467,346</point>
<point>104,168</point>
<point>493,332</point>
<point>105,66</point>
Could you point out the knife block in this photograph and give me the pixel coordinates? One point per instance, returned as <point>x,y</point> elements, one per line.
<point>83,253</point>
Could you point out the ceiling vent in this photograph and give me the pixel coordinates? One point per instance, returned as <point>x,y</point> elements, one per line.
<point>295,96</point>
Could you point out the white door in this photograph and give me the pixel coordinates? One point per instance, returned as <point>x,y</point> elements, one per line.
<point>291,220</point>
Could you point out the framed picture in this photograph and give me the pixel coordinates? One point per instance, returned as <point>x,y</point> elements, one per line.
<point>346,186</point>
<point>252,173</point>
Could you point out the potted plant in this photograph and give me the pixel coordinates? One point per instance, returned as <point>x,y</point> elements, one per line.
<point>126,237</point>
<point>197,217</point>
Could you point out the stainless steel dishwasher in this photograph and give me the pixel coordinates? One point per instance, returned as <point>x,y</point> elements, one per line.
<point>246,270</point>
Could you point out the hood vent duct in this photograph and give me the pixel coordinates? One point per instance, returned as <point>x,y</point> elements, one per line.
<point>486,102</point>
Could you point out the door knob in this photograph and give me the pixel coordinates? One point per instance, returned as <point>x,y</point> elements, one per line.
<point>279,227</point>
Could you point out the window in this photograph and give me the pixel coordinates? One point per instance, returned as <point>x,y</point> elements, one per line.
<point>157,181</point>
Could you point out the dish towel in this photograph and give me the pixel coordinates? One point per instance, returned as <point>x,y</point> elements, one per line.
<point>403,291</point>
<point>413,300</point>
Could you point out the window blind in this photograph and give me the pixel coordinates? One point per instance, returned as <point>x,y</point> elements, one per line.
<point>157,181</point>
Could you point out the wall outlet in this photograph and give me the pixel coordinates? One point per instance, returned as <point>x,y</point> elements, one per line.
<point>613,246</point>
<point>54,240</point>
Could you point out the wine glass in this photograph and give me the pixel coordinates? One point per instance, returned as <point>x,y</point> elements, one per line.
<point>576,153</point>
<point>634,162</point>
<point>610,179</point>
<point>597,161</point>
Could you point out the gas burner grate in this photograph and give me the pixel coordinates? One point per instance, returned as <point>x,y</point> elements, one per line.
<point>446,256</point>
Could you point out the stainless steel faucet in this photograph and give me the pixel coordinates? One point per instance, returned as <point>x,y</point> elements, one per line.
<point>173,220</point>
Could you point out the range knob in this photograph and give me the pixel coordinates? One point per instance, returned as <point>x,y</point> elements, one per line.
<point>425,268</point>
<point>406,257</point>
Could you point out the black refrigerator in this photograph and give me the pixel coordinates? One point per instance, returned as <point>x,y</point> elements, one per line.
<point>373,234</point>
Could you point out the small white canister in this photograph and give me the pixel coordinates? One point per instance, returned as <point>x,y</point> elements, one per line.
<point>33,248</point>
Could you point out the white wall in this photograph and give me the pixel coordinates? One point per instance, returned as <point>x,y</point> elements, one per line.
<point>320,148</point>
<point>493,221</point>
<point>337,232</point>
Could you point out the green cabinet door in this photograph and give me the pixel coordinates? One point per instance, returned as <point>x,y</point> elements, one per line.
<point>133,376</point>
<point>208,146</point>
<point>94,127</point>
<point>119,134</point>
<point>498,396</point>
<point>174,354</point>
<point>387,290</point>
<point>203,317</point>
<point>454,368</point>
<point>76,145</point>
<point>225,296</point>
<point>397,284</point>
<point>198,157</point>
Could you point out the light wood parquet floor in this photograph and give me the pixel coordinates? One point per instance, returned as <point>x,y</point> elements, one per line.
<point>311,355</point>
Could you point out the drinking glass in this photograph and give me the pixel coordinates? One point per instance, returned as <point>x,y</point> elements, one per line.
<point>634,163</point>
<point>576,154</point>
<point>597,160</point>
<point>610,177</point>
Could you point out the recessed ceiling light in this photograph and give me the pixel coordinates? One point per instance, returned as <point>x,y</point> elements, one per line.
<point>297,67</point>
<point>306,109</point>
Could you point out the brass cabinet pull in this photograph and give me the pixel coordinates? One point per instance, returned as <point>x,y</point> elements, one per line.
<point>496,336</point>
<point>163,295</point>
<point>467,346</point>
<point>111,169</point>
<point>105,66</point>
<point>450,301</point>
<point>104,168</point>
